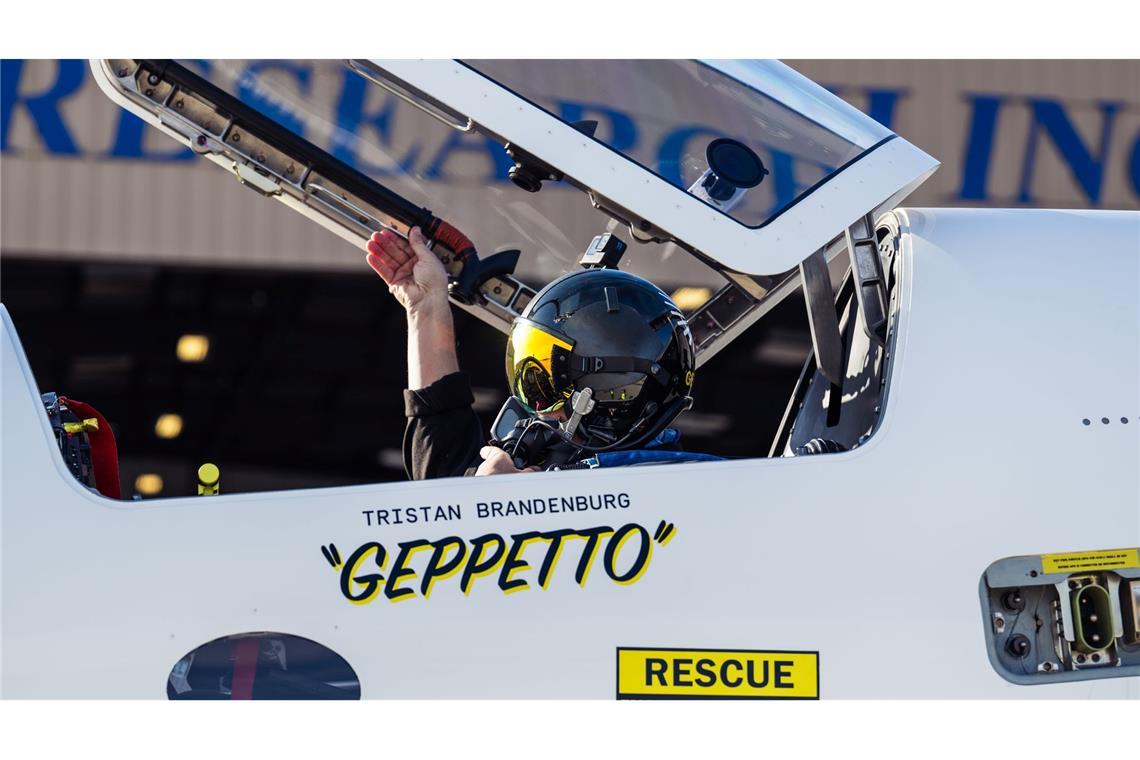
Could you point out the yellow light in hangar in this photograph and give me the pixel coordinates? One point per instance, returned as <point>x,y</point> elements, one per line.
<point>690,299</point>
<point>193,348</point>
<point>149,483</point>
<point>168,426</point>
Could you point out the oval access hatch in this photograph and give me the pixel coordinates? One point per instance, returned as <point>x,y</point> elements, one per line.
<point>263,665</point>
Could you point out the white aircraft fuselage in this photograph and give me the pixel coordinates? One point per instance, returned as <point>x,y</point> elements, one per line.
<point>1009,428</point>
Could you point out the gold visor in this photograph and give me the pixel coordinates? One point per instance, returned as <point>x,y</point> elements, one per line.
<point>530,359</point>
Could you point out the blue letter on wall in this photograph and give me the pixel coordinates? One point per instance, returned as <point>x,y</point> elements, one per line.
<point>1134,167</point>
<point>979,147</point>
<point>43,108</point>
<point>1087,169</point>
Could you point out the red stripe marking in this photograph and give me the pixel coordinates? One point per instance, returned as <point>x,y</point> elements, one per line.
<point>245,667</point>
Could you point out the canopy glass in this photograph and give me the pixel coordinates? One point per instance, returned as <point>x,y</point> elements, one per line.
<point>667,115</point>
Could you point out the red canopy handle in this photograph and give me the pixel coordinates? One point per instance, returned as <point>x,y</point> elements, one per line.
<point>104,450</point>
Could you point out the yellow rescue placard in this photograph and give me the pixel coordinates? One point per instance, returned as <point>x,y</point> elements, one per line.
<point>1105,559</point>
<point>644,673</point>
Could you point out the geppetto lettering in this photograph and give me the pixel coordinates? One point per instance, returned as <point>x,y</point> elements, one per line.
<point>518,561</point>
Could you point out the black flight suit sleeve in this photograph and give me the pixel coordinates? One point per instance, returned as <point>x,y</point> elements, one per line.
<point>444,435</point>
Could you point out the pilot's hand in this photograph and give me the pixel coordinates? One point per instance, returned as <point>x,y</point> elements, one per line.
<point>498,462</point>
<point>415,275</point>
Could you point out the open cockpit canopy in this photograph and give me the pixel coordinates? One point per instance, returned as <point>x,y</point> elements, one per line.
<point>731,176</point>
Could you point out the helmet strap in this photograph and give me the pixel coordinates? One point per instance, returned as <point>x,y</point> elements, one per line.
<point>580,366</point>
<point>633,438</point>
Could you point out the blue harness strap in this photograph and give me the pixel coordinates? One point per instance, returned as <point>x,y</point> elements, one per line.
<point>651,454</point>
<point>645,456</point>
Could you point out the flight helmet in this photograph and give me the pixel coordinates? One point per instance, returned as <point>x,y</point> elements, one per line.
<point>612,332</point>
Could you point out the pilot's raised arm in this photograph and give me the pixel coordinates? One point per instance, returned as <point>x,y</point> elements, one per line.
<point>444,436</point>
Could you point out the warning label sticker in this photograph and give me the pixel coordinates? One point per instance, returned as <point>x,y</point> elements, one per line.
<point>644,673</point>
<point>1105,559</point>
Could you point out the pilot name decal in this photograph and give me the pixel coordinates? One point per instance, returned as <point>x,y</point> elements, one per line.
<point>536,505</point>
<point>624,554</point>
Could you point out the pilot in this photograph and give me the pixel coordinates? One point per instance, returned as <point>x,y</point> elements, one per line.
<point>611,334</point>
